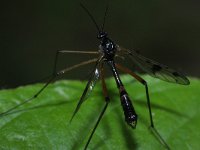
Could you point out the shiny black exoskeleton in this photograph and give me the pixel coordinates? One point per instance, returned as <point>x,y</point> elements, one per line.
<point>107,46</point>
<point>108,49</point>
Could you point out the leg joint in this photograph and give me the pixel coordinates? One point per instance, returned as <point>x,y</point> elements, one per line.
<point>144,82</point>
<point>107,99</point>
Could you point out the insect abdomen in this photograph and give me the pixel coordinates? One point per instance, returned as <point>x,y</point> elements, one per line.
<point>129,112</point>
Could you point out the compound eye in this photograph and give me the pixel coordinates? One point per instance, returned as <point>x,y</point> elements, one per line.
<point>99,36</point>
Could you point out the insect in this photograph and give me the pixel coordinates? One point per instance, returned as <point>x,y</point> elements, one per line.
<point>107,54</point>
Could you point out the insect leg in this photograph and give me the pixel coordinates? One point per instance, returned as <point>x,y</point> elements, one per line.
<point>107,100</point>
<point>142,81</point>
<point>56,61</point>
<point>69,51</point>
<point>78,52</point>
<point>47,83</point>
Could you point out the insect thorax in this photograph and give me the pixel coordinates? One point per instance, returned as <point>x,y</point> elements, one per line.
<point>107,48</point>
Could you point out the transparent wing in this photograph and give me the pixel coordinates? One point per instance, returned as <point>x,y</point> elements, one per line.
<point>89,87</point>
<point>95,78</point>
<point>156,69</point>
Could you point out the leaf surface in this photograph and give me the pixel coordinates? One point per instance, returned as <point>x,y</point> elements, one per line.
<point>44,122</point>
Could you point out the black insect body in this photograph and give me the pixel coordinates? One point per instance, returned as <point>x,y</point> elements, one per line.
<point>108,51</point>
<point>107,47</point>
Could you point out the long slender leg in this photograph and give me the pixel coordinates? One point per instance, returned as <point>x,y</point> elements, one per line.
<point>107,100</point>
<point>70,51</point>
<point>104,87</point>
<point>142,81</point>
<point>56,59</point>
<point>78,52</point>
<point>49,81</point>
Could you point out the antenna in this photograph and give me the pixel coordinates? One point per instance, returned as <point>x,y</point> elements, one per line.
<point>104,19</point>
<point>90,15</point>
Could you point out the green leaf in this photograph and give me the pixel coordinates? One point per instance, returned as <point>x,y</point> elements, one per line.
<point>44,122</point>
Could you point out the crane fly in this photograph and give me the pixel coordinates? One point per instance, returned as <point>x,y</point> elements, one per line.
<point>107,53</point>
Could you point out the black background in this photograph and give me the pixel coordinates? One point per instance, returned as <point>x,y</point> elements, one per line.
<point>32,31</point>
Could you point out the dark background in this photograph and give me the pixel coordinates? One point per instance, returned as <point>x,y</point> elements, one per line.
<point>32,31</point>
